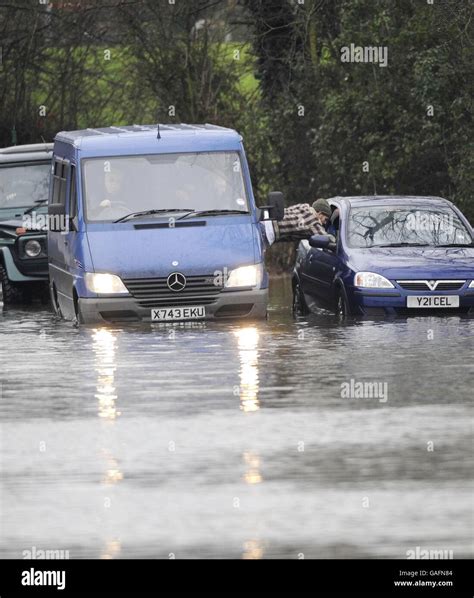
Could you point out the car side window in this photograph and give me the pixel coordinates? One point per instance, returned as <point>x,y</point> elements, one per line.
<point>335,223</point>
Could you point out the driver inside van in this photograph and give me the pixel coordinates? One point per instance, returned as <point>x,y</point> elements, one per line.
<point>110,204</point>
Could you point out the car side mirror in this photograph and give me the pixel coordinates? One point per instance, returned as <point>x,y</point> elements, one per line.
<point>322,242</point>
<point>275,207</point>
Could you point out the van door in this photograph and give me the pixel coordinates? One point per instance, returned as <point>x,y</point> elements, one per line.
<point>58,244</point>
<point>72,238</point>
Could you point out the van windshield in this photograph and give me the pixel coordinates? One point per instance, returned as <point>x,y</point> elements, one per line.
<point>115,187</point>
<point>23,185</point>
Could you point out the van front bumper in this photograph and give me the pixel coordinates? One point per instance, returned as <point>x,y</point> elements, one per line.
<point>251,304</point>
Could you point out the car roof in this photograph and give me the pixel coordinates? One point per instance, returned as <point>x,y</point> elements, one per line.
<point>145,137</point>
<point>26,153</point>
<point>380,200</point>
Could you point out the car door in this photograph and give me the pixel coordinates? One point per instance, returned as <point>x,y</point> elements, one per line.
<point>319,272</point>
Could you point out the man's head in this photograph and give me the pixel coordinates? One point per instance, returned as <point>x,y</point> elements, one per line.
<point>323,210</point>
<point>114,180</point>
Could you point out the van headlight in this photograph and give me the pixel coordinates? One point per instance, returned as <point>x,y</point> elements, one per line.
<point>471,286</point>
<point>370,280</point>
<point>105,284</point>
<point>245,276</point>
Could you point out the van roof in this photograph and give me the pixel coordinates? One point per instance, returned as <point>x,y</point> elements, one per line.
<point>133,136</point>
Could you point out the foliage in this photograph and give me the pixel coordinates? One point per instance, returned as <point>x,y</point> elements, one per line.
<point>310,121</point>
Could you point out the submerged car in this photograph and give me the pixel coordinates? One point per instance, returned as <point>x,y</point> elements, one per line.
<point>388,255</point>
<point>159,224</point>
<point>24,186</point>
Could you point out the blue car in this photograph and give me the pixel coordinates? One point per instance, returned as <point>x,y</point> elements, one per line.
<point>388,256</point>
<point>155,223</point>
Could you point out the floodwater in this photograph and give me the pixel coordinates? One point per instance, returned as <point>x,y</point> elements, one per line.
<point>240,440</point>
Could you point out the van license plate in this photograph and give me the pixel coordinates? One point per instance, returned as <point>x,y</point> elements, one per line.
<point>170,314</point>
<point>433,301</point>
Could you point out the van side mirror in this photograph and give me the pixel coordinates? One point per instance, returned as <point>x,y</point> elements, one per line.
<point>275,207</point>
<point>322,242</point>
<point>57,221</point>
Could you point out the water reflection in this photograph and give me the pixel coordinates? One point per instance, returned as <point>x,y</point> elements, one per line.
<point>247,341</point>
<point>252,475</point>
<point>293,371</point>
<point>112,472</point>
<point>112,549</point>
<point>104,345</point>
<point>253,549</point>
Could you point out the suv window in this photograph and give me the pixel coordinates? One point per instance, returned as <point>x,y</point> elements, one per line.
<point>23,184</point>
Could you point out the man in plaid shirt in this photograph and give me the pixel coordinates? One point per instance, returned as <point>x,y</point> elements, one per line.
<point>300,221</point>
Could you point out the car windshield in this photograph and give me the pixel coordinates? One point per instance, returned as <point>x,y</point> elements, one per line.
<point>23,185</point>
<point>382,226</point>
<point>119,186</point>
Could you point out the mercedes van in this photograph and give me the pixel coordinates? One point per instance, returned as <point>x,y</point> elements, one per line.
<point>155,223</point>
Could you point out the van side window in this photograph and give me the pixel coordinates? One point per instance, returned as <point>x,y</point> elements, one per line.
<point>59,182</point>
<point>72,193</point>
<point>56,183</point>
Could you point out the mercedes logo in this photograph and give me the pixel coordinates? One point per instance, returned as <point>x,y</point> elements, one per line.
<point>176,282</point>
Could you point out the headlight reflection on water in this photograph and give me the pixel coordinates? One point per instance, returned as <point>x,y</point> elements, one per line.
<point>104,345</point>
<point>252,475</point>
<point>111,550</point>
<point>247,341</point>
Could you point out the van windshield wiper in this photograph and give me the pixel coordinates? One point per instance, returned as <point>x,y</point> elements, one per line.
<point>150,213</point>
<point>40,202</point>
<point>212,213</point>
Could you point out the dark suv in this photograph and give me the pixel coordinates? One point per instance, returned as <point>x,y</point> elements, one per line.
<point>24,183</point>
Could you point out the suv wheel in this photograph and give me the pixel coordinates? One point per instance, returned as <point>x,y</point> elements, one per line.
<point>300,307</point>
<point>12,292</point>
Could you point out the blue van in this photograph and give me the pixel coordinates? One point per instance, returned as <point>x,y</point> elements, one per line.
<point>155,223</point>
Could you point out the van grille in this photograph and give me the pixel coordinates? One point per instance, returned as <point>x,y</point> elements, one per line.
<point>153,292</point>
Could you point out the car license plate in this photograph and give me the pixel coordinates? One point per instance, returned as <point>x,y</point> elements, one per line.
<point>170,314</point>
<point>433,301</point>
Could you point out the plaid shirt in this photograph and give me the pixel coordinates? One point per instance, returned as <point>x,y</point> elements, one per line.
<point>299,222</point>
